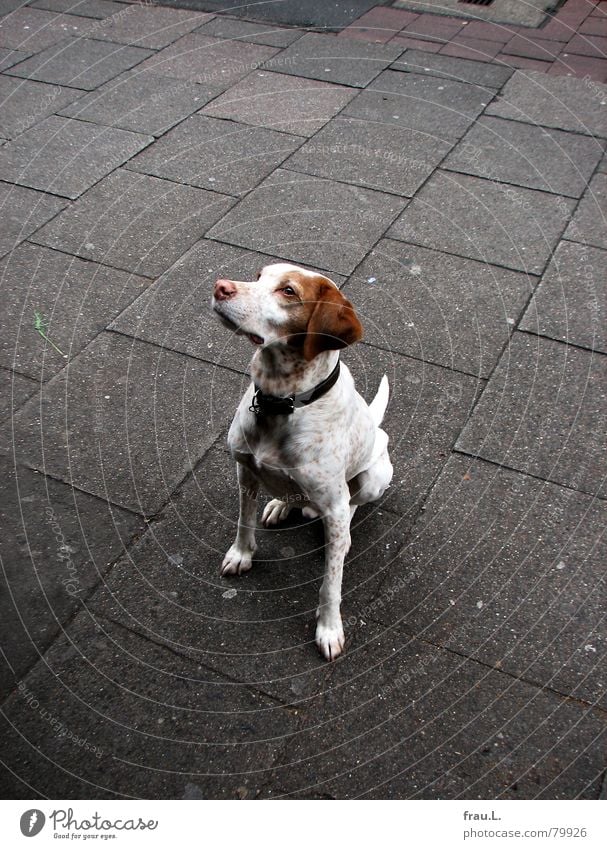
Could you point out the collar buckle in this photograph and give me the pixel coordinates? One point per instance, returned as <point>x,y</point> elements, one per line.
<point>271,405</point>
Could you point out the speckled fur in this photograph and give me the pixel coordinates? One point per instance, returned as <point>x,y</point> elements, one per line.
<point>331,455</point>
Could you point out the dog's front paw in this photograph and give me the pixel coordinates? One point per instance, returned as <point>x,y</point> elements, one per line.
<point>236,561</point>
<point>330,640</point>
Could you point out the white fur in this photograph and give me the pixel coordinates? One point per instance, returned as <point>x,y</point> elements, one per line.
<point>328,457</point>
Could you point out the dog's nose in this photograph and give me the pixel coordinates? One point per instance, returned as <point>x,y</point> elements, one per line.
<point>224,290</point>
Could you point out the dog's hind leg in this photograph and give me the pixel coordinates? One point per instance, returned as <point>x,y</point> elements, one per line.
<point>372,483</point>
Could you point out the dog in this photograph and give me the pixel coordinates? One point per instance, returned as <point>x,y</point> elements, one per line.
<point>301,430</point>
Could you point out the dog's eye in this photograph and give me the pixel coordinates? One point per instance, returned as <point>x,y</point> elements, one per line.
<point>258,275</point>
<point>287,290</point>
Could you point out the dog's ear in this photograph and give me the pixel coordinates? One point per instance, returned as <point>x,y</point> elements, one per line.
<point>333,323</point>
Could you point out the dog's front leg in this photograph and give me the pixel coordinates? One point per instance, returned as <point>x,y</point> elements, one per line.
<point>329,630</point>
<point>239,558</point>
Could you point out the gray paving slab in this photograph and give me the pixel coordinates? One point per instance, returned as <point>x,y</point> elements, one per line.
<point>420,436</point>
<point>146,723</point>
<point>280,102</point>
<point>15,389</point>
<point>442,109</point>
<point>141,102</point>
<point>509,570</point>
<point>315,13</point>
<point>56,545</point>
<point>214,62</point>
<point>32,30</point>
<point>481,219</point>
<point>544,413</point>
<point>570,304</point>
<point>76,300</point>
<point>25,102</point>
<point>149,26</point>
<point>9,57</point>
<point>448,67</point>
<point>23,211</point>
<point>397,159</point>
<point>175,313</point>
<point>563,102</point>
<point>309,220</point>
<point>416,721</point>
<point>97,9</point>
<point>83,63</point>
<point>428,407</point>
<point>221,27</point>
<point>336,60</point>
<point>135,222</point>
<point>7,6</point>
<point>215,154</point>
<point>126,421</point>
<point>589,223</point>
<point>66,157</point>
<point>535,157</point>
<point>257,629</point>
<point>439,308</point>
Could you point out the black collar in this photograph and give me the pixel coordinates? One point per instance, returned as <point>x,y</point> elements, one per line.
<point>273,405</point>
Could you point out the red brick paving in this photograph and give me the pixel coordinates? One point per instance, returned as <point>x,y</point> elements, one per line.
<point>372,34</point>
<point>523,45</point>
<point>438,27</point>
<point>523,62</point>
<point>572,42</point>
<point>380,24</point>
<point>555,30</point>
<point>417,43</point>
<point>472,48</point>
<point>580,66</point>
<point>588,45</point>
<point>489,31</point>
<point>384,16</point>
<point>594,26</point>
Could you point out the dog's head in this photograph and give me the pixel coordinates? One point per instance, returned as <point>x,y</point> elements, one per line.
<point>291,306</point>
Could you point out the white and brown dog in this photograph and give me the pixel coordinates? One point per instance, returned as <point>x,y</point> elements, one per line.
<point>302,431</point>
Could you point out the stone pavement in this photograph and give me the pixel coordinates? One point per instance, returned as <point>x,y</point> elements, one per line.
<point>146,151</point>
<point>572,42</point>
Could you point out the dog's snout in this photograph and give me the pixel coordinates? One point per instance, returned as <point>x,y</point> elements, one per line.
<point>224,290</point>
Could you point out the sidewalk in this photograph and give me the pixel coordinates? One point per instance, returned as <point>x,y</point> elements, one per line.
<point>146,151</point>
<point>572,42</point>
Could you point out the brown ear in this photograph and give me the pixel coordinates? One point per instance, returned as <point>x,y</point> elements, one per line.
<point>333,323</point>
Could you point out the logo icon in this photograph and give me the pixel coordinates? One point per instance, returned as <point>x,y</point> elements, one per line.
<point>32,822</point>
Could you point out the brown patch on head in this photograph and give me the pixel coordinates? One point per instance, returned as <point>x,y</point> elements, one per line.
<point>326,320</point>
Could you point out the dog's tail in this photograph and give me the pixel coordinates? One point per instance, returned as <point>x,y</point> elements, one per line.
<point>378,405</point>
